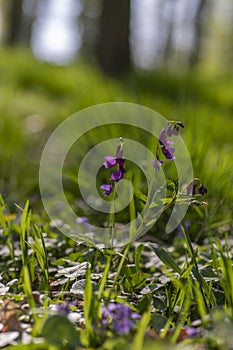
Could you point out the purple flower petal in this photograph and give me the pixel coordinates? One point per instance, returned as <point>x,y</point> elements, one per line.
<point>157,164</point>
<point>110,162</point>
<point>82,220</point>
<point>117,175</point>
<point>107,188</point>
<point>191,331</point>
<point>168,153</point>
<point>202,190</point>
<point>123,326</point>
<point>163,136</point>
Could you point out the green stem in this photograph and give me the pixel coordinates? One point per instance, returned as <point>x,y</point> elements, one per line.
<point>196,269</point>
<point>126,249</point>
<point>111,222</point>
<point>105,276</point>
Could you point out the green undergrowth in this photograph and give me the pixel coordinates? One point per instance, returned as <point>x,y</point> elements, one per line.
<point>53,290</point>
<point>36,97</point>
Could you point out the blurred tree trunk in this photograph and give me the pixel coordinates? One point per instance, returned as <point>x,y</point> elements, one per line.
<point>17,23</point>
<point>113,43</point>
<point>14,21</point>
<point>198,27</point>
<point>169,24</point>
<point>89,27</point>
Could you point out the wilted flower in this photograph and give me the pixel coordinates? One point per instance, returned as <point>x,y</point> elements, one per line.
<point>119,317</point>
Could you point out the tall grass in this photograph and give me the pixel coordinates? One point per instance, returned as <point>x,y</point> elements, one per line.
<point>36,97</point>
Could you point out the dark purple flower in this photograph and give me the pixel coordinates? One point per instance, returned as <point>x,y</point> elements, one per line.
<point>117,175</point>
<point>157,163</point>
<point>193,188</point>
<point>202,190</point>
<point>119,317</point>
<point>187,223</point>
<point>172,129</point>
<point>121,163</point>
<point>180,231</point>
<point>107,188</point>
<point>123,326</point>
<point>165,146</point>
<point>168,153</point>
<point>110,162</point>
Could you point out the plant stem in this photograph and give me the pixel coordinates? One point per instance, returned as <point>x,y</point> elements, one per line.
<point>196,270</point>
<point>111,222</point>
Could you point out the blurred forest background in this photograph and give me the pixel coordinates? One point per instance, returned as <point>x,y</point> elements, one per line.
<point>59,56</point>
<point>148,34</point>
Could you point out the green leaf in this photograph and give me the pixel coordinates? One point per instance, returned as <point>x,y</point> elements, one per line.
<point>144,303</point>
<point>59,331</point>
<point>151,222</point>
<point>158,321</point>
<point>165,257</point>
<point>159,304</point>
<point>138,339</point>
<point>88,310</point>
<point>141,196</point>
<point>138,256</point>
<point>135,280</point>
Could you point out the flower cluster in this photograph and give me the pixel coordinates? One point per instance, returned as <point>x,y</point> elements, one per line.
<point>196,187</point>
<point>119,317</point>
<point>165,144</point>
<point>117,174</point>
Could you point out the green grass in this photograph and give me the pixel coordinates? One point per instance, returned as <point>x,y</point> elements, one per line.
<point>36,97</point>
<point>173,286</point>
<point>176,290</point>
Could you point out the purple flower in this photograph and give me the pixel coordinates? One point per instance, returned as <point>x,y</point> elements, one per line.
<point>121,163</point>
<point>191,331</point>
<point>180,231</point>
<point>172,129</point>
<point>202,190</point>
<point>63,308</point>
<point>165,145</point>
<point>168,152</point>
<point>117,174</point>
<point>110,162</point>
<point>193,188</point>
<point>123,326</point>
<point>82,220</point>
<point>107,188</point>
<point>119,317</point>
<point>157,163</point>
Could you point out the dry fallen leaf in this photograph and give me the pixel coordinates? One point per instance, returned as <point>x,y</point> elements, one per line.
<point>8,317</point>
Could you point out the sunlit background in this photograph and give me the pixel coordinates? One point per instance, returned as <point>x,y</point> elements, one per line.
<point>58,57</point>
<point>171,33</point>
